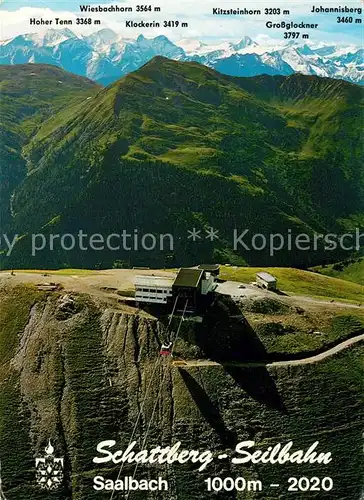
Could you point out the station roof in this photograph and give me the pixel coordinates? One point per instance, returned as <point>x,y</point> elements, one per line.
<point>188,278</point>
<point>209,267</point>
<point>153,281</point>
<point>267,277</point>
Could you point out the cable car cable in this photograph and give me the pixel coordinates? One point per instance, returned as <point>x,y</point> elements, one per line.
<point>156,363</point>
<point>158,396</point>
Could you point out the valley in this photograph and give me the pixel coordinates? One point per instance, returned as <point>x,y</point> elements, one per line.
<point>223,159</point>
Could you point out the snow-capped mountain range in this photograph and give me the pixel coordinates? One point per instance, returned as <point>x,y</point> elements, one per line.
<point>105,56</point>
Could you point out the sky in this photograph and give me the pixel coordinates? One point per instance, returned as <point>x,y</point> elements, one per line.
<point>202,25</point>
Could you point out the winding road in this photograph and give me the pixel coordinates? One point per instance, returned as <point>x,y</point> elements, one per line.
<point>293,362</point>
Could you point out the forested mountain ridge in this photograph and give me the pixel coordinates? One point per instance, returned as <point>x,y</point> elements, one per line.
<point>29,95</point>
<point>178,145</point>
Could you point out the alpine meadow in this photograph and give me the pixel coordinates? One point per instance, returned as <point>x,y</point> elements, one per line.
<point>175,146</point>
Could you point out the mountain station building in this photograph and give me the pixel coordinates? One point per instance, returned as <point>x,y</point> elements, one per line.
<point>192,289</point>
<point>153,289</point>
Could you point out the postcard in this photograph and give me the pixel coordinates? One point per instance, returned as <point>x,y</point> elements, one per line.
<point>181,250</point>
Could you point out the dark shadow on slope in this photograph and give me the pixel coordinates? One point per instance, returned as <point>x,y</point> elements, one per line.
<point>259,385</point>
<point>227,337</point>
<point>209,411</point>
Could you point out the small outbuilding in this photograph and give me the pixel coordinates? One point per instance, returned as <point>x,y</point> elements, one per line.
<point>266,280</point>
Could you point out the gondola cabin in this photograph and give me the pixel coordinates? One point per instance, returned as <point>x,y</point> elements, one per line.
<point>166,349</point>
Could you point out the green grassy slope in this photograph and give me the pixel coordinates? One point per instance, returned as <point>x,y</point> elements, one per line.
<point>304,332</point>
<point>352,270</point>
<point>296,281</point>
<point>272,406</point>
<point>268,329</point>
<point>30,95</point>
<point>58,387</point>
<point>15,307</point>
<point>209,150</point>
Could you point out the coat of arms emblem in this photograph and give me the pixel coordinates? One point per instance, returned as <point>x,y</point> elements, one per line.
<point>49,469</point>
